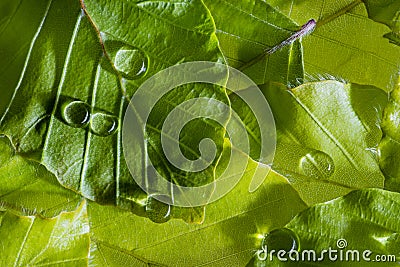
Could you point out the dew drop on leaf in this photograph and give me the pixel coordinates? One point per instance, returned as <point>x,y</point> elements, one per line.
<point>75,113</point>
<point>317,165</point>
<point>157,211</point>
<point>131,62</point>
<point>281,239</point>
<point>103,124</point>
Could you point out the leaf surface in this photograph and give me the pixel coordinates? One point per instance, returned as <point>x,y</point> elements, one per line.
<point>346,44</point>
<point>68,107</point>
<point>364,219</point>
<point>255,28</point>
<point>28,188</point>
<point>389,146</point>
<point>16,17</point>
<point>328,134</point>
<point>386,12</point>
<point>228,235</point>
<point>34,241</point>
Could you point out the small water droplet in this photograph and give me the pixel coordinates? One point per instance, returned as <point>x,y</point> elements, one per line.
<point>76,113</point>
<point>281,239</point>
<point>103,124</point>
<point>317,164</point>
<point>131,62</point>
<point>157,211</point>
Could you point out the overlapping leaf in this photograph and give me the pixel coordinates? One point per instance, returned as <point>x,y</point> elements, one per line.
<point>34,241</point>
<point>256,27</point>
<point>389,147</point>
<point>228,236</point>
<point>346,43</point>
<point>386,12</point>
<point>362,220</point>
<point>68,106</point>
<point>328,134</point>
<point>16,18</point>
<point>28,188</point>
<point>328,131</point>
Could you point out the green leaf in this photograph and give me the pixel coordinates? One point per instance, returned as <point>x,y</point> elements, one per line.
<point>109,256</point>
<point>366,219</point>
<point>19,21</point>
<point>386,12</point>
<point>389,147</point>
<point>328,133</point>
<point>245,29</point>
<point>28,188</point>
<point>394,37</point>
<point>346,43</point>
<point>34,241</point>
<point>383,11</point>
<point>68,107</point>
<point>228,235</point>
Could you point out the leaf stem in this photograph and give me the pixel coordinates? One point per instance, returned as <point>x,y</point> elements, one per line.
<point>305,29</point>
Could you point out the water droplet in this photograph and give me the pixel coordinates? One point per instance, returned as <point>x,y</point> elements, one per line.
<point>76,113</point>
<point>157,211</point>
<point>317,164</point>
<point>103,124</point>
<point>131,62</point>
<point>281,239</point>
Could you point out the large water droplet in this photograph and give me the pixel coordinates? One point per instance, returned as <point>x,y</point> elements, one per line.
<point>76,113</point>
<point>281,239</point>
<point>157,211</point>
<point>103,124</point>
<point>131,62</point>
<point>317,165</point>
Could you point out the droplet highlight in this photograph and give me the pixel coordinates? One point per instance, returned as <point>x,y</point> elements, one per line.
<point>76,113</point>
<point>157,211</point>
<point>103,124</point>
<point>281,239</point>
<point>317,165</point>
<point>131,62</point>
